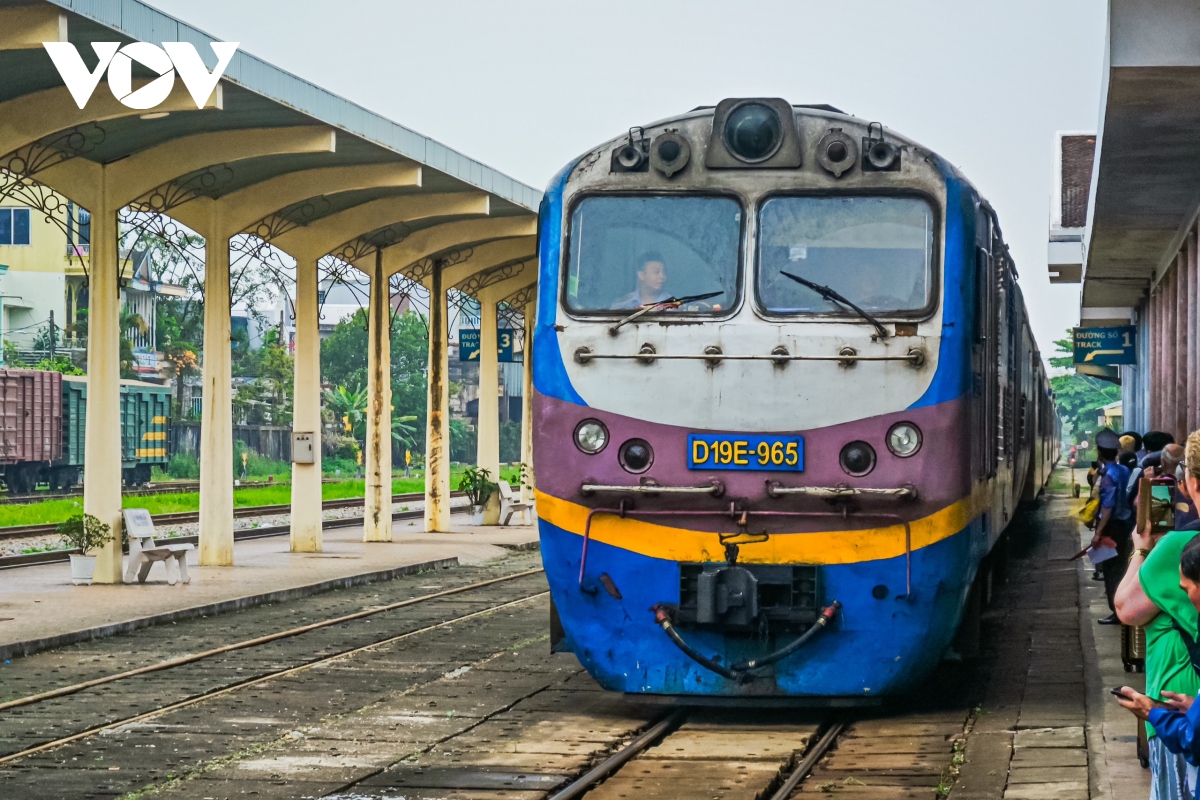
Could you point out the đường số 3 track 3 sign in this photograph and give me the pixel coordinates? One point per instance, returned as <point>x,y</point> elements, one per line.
<point>1105,346</point>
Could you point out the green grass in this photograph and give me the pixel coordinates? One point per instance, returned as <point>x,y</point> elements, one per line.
<point>280,494</point>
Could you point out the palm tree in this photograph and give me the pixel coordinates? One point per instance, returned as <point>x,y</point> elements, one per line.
<point>402,432</point>
<point>350,407</point>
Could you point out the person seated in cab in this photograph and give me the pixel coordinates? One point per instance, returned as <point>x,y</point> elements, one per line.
<point>651,277</point>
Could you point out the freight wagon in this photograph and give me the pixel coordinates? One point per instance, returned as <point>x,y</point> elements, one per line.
<point>43,426</point>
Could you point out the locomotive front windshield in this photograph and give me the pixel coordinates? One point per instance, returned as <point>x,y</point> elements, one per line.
<point>874,251</point>
<point>630,251</point>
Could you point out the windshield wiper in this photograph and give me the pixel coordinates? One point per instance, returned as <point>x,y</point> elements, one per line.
<point>672,302</point>
<point>831,295</point>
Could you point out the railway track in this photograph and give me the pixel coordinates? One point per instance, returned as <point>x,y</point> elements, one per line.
<point>137,695</point>
<point>265,531</point>
<point>166,487</point>
<point>650,765</point>
<point>187,517</point>
<point>420,696</point>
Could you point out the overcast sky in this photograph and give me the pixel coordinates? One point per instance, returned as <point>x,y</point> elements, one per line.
<point>526,85</point>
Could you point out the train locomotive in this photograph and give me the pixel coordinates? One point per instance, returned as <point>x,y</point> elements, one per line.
<point>786,402</point>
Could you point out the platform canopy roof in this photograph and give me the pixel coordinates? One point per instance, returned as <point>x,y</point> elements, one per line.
<point>254,96</point>
<point>1145,192</point>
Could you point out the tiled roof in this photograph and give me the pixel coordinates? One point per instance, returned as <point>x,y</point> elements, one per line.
<point>1078,153</point>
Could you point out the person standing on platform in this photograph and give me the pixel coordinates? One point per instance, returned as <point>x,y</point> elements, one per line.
<point>1116,516</point>
<point>1176,722</point>
<point>1150,596</point>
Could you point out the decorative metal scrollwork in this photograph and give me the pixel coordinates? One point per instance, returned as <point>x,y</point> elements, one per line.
<point>480,281</point>
<point>522,297</point>
<point>333,271</point>
<point>420,270</point>
<point>281,222</point>
<point>206,183</point>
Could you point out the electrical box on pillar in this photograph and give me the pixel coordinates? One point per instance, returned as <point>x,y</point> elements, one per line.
<point>302,448</point>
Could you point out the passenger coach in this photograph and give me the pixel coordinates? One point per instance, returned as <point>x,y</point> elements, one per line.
<point>786,403</point>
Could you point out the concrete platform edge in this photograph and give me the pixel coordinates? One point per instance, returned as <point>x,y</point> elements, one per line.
<point>29,647</point>
<point>1099,784</point>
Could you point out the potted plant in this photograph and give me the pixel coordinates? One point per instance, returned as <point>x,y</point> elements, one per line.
<point>84,532</point>
<point>476,483</point>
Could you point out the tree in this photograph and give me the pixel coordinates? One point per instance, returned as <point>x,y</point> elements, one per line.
<point>129,322</point>
<point>1079,397</point>
<point>344,363</point>
<point>402,432</point>
<point>268,399</point>
<point>349,407</point>
<point>61,364</point>
<point>462,442</point>
<point>180,332</point>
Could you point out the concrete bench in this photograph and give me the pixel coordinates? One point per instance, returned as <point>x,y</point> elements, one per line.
<point>511,503</point>
<point>144,552</point>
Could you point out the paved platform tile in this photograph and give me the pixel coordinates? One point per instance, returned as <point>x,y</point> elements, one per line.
<point>1050,737</point>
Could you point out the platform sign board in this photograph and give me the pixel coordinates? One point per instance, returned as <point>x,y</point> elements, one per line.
<point>1106,346</point>
<point>468,344</point>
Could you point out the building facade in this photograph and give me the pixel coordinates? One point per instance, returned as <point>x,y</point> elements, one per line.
<point>1136,258</point>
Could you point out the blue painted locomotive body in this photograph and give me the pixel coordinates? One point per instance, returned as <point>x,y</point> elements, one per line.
<point>740,562</point>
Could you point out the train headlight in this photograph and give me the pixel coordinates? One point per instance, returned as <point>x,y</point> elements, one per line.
<point>904,439</point>
<point>753,132</point>
<point>636,456</point>
<point>857,458</point>
<point>591,436</point>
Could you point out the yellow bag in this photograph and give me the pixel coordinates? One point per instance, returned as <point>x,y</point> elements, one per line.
<point>1088,512</point>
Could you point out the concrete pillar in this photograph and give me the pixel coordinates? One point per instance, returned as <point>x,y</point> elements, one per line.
<point>1178,418</point>
<point>1159,401</point>
<point>1180,423</point>
<point>102,456</point>
<point>216,445</point>
<point>378,502</point>
<point>1193,331</point>
<point>102,447</point>
<point>306,478</point>
<point>488,437</point>
<point>437,434</point>
<point>1189,373</point>
<point>1169,306</point>
<point>528,483</point>
<point>1161,341</point>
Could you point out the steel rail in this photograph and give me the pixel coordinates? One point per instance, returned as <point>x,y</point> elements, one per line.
<point>579,786</point>
<point>7,498</point>
<point>166,487</point>
<point>187,517</point>
<point>814,754</point>
<point>53,556</point>
<point>270,637</point>
<point>200,698</point>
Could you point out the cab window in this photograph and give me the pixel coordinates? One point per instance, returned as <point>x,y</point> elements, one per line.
<point>628,251</point>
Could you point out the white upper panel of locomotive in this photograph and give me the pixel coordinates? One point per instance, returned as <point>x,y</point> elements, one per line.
<point>744,267</point>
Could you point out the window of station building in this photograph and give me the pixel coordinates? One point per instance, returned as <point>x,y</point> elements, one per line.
<point>79,225</point>
<point>875,251</point>
<point>629,251</point>
<point>14,226</point>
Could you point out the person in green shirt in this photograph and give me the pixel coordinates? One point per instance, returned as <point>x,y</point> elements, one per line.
<point>1150,596</point>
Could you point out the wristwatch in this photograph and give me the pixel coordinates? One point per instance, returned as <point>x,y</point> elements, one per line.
<point>1141,551</point>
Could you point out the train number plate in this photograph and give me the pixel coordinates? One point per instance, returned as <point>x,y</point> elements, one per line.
<point>746,452</point>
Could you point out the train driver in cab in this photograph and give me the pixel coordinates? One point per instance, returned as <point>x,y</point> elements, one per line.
<point>651,277</point>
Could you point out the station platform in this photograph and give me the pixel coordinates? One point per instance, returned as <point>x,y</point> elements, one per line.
<point>1047,726</point>
<point>445,687</point>
<point>40,608</point>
